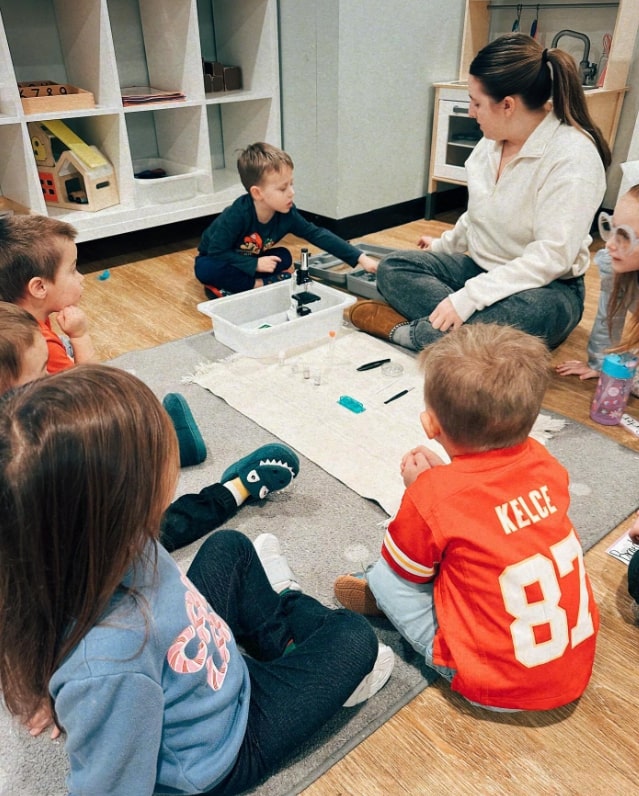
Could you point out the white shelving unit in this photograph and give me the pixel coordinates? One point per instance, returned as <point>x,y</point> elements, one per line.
<point>103,45</point>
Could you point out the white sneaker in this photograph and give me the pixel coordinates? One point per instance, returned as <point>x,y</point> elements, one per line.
<point>375,679</point>
<point>278,572</point>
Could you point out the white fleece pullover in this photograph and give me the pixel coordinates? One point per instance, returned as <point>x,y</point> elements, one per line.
<point>530,226</point>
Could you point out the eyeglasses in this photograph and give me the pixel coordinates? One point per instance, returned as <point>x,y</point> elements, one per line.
<point>624,237</point>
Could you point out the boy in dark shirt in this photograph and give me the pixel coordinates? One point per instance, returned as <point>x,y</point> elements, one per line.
<point>237,251</point>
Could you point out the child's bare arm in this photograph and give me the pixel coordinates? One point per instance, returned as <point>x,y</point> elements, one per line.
<point>574,367</point>
<point>367,263</point>
<point>74,323</point>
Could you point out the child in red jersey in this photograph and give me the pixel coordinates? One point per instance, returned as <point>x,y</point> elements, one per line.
<point>481,569</point>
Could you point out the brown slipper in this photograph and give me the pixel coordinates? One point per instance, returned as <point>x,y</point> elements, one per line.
<point>355,594</point>
<point>375,317</point>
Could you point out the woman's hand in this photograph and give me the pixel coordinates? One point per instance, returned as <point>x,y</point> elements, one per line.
<point>444,317</point>
<point>573,367</point>
<point>425,242</point>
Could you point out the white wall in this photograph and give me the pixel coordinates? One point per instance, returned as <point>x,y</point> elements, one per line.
<point>627,141</point>
<point>357,97</point>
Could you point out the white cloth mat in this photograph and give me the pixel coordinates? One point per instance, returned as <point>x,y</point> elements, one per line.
<point>363,450</point>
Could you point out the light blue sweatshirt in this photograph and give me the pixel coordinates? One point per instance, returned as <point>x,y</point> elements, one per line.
<point>166,715</point>
<point>603,337</point>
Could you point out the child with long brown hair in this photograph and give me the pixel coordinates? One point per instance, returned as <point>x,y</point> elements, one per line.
<point>619,268</point>
<point>141,663</point>
<point>617,309</point>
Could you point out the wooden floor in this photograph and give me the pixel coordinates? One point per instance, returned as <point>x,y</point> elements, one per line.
<point>437,743</point>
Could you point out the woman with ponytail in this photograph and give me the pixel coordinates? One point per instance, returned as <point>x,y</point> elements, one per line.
<point>517,256</point>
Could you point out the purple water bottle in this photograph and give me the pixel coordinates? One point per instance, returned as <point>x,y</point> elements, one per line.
<point>613,389</point>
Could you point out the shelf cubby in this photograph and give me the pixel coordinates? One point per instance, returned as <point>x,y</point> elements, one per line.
<point>103,46</point>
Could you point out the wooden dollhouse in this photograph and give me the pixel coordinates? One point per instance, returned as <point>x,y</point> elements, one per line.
<point>73,174</point>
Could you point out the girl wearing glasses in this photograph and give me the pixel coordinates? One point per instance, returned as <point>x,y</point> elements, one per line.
<point>618,265</point>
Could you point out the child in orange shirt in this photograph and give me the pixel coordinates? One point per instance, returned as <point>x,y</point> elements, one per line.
<point>481,569</point>
<point>23,350</point>
<point>38,272</point>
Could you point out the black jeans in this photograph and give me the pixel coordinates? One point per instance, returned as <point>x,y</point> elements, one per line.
<point>292,694</point>
<point>215,270</point>
<point>191,516</point>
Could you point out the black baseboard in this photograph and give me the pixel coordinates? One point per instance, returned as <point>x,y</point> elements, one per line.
<point>168,235</point>
<point>443,201</point>
<point>372,221</point>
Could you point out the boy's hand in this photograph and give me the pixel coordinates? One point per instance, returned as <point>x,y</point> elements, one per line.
<point>73,321</point>
<point>425,241</point>
<point>444,317</point>
<point>416,461</point>
<point>267,264</point>
<point>367,263</point>
<point>633,533</point>
<point>573,367</point>
<point>41,720</point>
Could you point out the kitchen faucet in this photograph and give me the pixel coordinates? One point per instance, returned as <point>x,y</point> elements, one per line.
<point>587,70</point>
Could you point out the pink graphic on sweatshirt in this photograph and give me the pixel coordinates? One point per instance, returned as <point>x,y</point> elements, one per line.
<point>212,635</point>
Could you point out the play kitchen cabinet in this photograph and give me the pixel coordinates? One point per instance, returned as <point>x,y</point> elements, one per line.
<point>582,28</point>
<point>104,46</point>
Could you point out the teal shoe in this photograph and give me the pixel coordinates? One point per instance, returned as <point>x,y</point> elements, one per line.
<point>267,469</point>
<point>192,447</point>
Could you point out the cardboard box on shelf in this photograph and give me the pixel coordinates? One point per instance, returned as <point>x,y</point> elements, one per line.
<point>218,77</point>
<point>46,96</point>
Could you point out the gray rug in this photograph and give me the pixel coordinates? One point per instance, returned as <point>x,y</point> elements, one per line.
<point>325,529</point>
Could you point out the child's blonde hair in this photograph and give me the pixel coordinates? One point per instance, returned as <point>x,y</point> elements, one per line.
<point>485,384</point>
<point>19,331</point>
<point>29,247</point>
<point>625,292</point>
<point>259,159</point>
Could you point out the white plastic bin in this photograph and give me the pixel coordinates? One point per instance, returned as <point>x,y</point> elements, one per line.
<point>255,323</point>
<point>181,182</point>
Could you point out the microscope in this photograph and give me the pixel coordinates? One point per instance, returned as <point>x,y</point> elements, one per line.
<point>300,296</point>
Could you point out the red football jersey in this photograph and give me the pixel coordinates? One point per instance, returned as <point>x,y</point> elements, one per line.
<point>516,614</point>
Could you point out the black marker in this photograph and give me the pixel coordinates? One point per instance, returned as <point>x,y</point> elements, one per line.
<point>398,395</point>
<point>376,364</point>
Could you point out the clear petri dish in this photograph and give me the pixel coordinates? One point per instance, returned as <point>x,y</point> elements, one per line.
<point>392,369</point>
